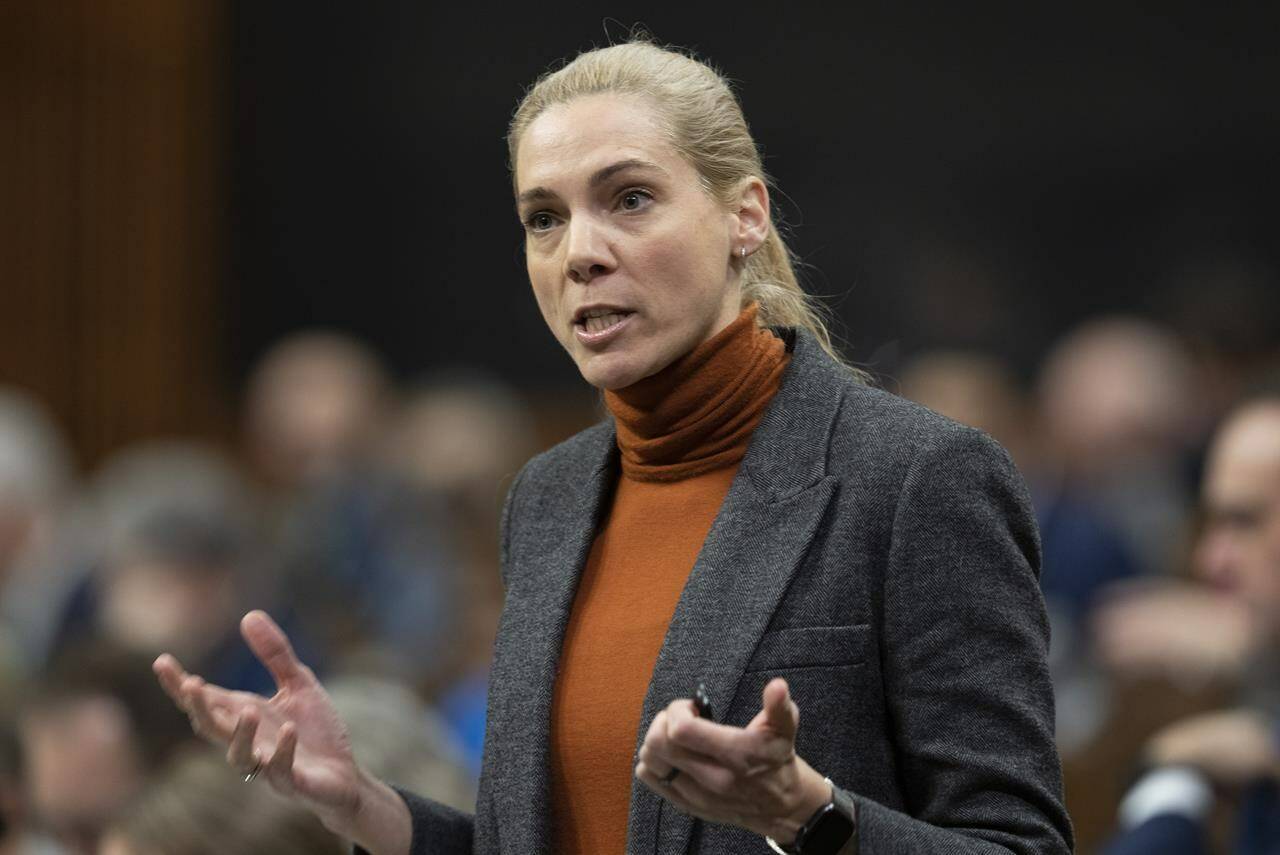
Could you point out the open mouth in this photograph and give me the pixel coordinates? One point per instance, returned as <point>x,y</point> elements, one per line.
<point>596,326</point>
<point>598,322</point>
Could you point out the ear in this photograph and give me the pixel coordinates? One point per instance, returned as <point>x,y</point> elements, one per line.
<point>751,221</point>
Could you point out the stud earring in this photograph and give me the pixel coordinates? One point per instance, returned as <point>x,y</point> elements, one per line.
<point>742,251</point>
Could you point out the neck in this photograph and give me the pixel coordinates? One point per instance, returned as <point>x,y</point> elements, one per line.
<point>698,413</point>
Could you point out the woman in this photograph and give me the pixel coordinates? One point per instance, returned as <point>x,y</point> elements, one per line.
<point>753,519</point>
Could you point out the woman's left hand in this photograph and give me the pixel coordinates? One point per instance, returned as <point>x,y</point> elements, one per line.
<point>747,776</point>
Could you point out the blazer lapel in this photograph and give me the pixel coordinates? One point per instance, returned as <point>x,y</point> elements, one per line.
<point>548,563</point>
<point>762,532</point>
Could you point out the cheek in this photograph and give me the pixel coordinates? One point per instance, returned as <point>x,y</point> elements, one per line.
<point>684,265</point>
<point>544,292</point>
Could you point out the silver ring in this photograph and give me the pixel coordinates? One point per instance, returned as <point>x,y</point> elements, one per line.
<point>253,773</point>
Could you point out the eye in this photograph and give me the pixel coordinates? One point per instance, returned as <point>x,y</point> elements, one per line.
<point>634,200</point>
<point>539,221</point>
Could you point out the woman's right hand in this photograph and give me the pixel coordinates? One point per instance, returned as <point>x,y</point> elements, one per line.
<point>295,740</point>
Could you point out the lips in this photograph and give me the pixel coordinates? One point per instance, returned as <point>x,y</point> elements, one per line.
<point>600,323</point>
<point>596,326</point>
<point>594,319</point>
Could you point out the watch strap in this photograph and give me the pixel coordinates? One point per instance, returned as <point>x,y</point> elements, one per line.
<point>840,802</point>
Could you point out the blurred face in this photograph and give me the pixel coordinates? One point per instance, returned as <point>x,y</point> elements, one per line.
<point>631,261</point>
<point>1239,550</point>
<point>116,843</point>
<point>312,408</point>
<point>155,606</point>
<point>82,767</point>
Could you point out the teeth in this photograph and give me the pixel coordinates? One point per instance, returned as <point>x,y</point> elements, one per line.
<point>599,323</point>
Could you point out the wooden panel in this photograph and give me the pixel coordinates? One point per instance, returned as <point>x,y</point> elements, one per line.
<point>111,235</point>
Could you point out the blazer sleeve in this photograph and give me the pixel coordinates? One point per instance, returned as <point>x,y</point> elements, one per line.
<point>437,829</point>
<point>964,646</point>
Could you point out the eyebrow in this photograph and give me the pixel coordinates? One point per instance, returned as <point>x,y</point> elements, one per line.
<point>538,194</point>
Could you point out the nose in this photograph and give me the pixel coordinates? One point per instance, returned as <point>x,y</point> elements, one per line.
<point>587,254</point>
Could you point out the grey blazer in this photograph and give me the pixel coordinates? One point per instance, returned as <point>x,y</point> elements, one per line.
<point>881,558</point>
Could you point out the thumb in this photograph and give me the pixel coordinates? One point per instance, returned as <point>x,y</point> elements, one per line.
<point>779,713</point>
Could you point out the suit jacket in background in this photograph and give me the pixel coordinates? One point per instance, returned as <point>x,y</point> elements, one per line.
<point>1257,830</point>
<point>879,557</point>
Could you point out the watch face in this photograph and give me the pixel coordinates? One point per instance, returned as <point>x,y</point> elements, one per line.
<point>832,831</point>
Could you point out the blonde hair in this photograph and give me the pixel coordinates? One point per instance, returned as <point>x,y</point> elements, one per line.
<point>707,127</point>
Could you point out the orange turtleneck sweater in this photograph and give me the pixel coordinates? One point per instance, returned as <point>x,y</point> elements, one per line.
<point>682,434</point>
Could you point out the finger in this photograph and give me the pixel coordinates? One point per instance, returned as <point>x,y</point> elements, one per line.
<point>279,769</point>
<point>686,795</point>
<point>209,721</point>
<point>656,736</point>
<point>652,745</point>
<point>780,712</point>
<point>716,754</point>
<point>657,776</point>
<point>170,673</point>
<point>240,753</point>
<point>681,717</point>
<point>652,771</point>
<point>269,643</point>
<point>687,736</point>
<point>663,755</point>
<point>662,750</point>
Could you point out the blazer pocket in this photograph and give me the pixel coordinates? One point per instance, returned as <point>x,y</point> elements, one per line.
<point>810,647</point>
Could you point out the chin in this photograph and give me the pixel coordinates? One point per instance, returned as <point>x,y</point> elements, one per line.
<point>613,371</point>
<point>609,380</point>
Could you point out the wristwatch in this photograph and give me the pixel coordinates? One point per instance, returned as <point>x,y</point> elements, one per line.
<point>827,832</point>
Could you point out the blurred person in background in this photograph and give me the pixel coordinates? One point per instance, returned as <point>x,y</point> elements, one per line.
<point>193,807</point>
<point>461,434</point>
<point>18,833</point>
<point>457,441</point>
<point>401,739</point>
<point>315,406</point>
<point>39,567</point>
<point>1233,753</point>
<point>89,734</point>
<point>1119,415</point>
<point>370,550</point>
<point>179,558</point>
<point>1225,304</point>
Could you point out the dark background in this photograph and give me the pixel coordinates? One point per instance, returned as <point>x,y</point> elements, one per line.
<point>953,174</point>
<point>181,184</point>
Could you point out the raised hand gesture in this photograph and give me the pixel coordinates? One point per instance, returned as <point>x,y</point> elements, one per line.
<point>745,776</point>
<point>295,740</point>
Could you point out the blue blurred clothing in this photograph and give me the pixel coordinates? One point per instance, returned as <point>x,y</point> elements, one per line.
<point>1166,834</point>
<point>463,706</point>
<point>1259,827</point>
<point>373,558</point>
<point>1083,552</point>
<point>1257,830</point>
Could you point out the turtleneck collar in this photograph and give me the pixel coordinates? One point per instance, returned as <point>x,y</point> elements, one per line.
<point>697,414</point>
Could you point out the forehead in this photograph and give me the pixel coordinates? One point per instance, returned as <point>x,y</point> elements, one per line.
<point>574,139</point>
<point>1245,461</point>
